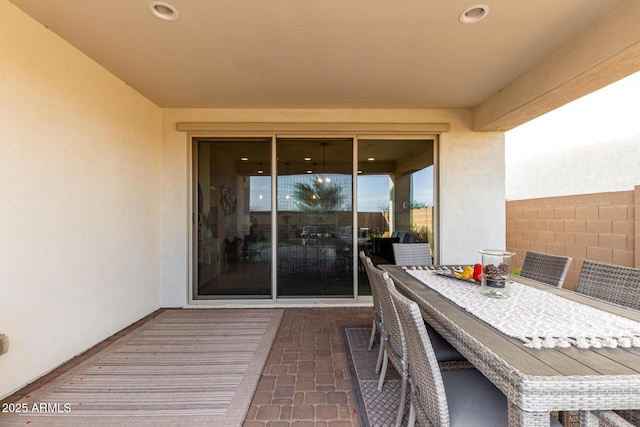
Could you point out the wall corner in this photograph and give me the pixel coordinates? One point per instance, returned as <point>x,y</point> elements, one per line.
<point>636,222</point>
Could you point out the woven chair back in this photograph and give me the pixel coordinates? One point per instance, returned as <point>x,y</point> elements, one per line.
<point>616,284</point>
<point>545,268</point>
<point>412,254</point>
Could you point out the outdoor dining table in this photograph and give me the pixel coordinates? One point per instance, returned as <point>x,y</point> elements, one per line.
<point>535,381</point>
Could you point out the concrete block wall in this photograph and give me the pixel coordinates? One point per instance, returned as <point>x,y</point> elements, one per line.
<point>600,226</point>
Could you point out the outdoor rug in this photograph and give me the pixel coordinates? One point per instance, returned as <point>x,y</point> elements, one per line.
<point>189,367</point>
<point>376,408</point>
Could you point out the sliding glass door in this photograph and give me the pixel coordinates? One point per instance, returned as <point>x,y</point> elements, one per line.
<point>232,224</point>
<point>274,217</point>
<point>396,199</point>
<point>315,217</point>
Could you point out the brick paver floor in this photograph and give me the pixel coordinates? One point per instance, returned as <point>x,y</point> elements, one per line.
<point>306,380</point>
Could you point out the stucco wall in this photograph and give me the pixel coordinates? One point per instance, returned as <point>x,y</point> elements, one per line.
<point>606,165</point>
<point>471,181</point>
<point>79,216</point>
<point>600,226</point>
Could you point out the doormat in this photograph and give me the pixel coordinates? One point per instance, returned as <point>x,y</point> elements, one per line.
<point>376,408</point>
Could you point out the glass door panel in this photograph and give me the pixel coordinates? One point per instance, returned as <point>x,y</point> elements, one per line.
<point>233,230</point>
<point>315,217</point>
<point>395,198</point>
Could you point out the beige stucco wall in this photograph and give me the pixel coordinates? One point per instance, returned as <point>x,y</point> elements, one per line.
<point>602,166</point>
<point>600,226</point>
<point>80,210</point>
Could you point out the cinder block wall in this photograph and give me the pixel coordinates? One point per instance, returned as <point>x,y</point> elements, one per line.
<point>601,227</point>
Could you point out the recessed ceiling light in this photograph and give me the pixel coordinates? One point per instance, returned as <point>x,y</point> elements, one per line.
<point>244,159</point>
<point>474,14</point>
<point>371,159</point>
<point>164,11</point>
<point>307,159</point>
<point>309,171</point>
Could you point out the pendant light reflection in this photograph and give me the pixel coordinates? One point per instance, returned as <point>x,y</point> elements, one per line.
<point>287,196</point>
<point>324,163</point>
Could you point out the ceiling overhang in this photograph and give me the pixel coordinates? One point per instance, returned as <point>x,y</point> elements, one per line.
<point>589,62</point>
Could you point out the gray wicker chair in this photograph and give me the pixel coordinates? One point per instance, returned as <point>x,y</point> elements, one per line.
<point>394,345</point>
<point>545,268</point>
<point>448,356</point>
<point>619,285</point>
<point>445,398</point>
<point>616,284</point>
<point>412,254</point>
<point>607,419</point>
<point>378,320</point>
<point>632,416</point>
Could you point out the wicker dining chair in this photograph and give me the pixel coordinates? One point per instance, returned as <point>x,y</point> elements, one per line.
<point>619,285</point>
<point>445,398</point>
<point>607,419</point>
<point>378,321</point>
<point>394,345</point>
<point>448,356</point>
<point>616,284</point>
<point>545,268</point>
<point>412,254</point>
<point>632,416</point>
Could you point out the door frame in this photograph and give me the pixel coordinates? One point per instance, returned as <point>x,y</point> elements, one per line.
<point>273,131</point>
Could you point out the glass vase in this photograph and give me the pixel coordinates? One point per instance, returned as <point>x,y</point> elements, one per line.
<point>496,273</point>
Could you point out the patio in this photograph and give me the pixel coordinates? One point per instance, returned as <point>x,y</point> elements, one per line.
<point>97,170</point>
<point>305,381</point>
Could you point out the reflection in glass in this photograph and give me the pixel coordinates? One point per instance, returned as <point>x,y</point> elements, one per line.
<point>315,230</point>
<point>395,198</point>
<point>234,219</point>
<point>315,220</point>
